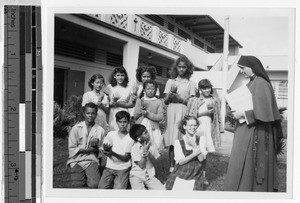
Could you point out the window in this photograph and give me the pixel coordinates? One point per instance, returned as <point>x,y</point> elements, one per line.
<point>183,34</point>
<point>113,59</point>
<point>198,43</point>
<point>156,19</point>
<point>171,27</point>
<point>210,50</point>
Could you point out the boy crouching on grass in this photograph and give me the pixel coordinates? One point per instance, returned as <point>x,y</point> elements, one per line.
<point>85,139</point>
<point>142,172</point>
<point>117,146</point>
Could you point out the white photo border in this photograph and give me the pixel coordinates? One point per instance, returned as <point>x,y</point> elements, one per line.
<point>48,12</point>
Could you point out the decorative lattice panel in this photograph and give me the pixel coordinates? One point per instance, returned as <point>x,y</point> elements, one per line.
<point>177,44</point>
<point>97,16</point>
<point>146,30</point>
<point>163,38</point>
<point>119,20</point>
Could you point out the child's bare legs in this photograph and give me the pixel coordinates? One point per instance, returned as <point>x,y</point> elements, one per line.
<point>171,158</point>
<point>205,182</point>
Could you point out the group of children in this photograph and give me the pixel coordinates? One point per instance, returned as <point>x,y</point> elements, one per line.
<point>131,148</point>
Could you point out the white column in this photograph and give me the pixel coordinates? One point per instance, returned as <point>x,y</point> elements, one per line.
<point>130,59</point>
<point>155,34</point>
<point>130,23</point>
<point>225,67</point>
<point>170,41</point>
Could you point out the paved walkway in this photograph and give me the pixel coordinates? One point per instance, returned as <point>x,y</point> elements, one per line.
<point>226,145</point>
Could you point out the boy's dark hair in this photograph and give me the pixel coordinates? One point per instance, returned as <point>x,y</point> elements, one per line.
<point>122,114</point>
<point>189,65</point>
<point>93,78</point>
<point>144,87</point>
<point>145,68</point>
<point>119,69</point>
<point>90,105</point>
<point>184,122</point>
<point>136,130</point>
<point>205,83</point>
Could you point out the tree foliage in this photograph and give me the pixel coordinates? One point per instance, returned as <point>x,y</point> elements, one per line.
<point>67,116</point>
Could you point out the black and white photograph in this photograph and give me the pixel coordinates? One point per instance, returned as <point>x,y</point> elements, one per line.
<point>183,101</point>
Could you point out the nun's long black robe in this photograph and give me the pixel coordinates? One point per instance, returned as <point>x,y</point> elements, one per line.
<point>253,161</point>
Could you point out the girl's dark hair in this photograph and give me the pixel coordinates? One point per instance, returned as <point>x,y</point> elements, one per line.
<point>145,68</point>
<point>93,78</point>
<point>119,69</point>
<point>189,65</point>
<point>145,85</point>
<point>184,122</point>
<point>205,83</point>
<point>136,130</point>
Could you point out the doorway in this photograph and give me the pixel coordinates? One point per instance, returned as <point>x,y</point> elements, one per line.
<point>67,83</point>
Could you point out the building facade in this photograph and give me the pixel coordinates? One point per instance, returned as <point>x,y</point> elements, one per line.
<point>86,44</point>
<point>276,67</point>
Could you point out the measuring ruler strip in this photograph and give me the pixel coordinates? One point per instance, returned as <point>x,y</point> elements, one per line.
<point>28,98</point>
<point>37,102</point>
<point>22,107</point>
<point>22,104</point>
<point>32,87</point>
<point>12,93</point>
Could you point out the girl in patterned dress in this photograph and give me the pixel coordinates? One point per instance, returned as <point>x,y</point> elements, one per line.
<point>119,95</point>
<point>188,155</point>
<point>98,97</point>
<point>178,90</point>
<point>206,109</point>
<point>148,111</point>
<point>144,72</point>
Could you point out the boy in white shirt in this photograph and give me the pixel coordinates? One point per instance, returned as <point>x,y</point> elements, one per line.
<point>117,146</point>
<point>142,174</point>
<point>85,139</point>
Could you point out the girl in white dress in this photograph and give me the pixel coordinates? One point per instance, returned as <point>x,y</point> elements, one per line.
<point>205,113</point>
<point>119,95</point>
<point>178,90</point>
<point>98,97</point>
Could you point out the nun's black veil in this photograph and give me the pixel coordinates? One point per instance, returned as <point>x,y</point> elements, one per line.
<point>256,66</point>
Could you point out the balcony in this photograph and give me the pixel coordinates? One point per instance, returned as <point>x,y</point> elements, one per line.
<point>144,28</point>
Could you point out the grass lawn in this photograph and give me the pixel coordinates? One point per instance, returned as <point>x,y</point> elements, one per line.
<point>216,168</point>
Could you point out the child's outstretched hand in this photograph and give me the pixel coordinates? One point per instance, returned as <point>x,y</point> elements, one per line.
<point>112,103</point>
<point>174,88</point>
<point>175,98</point>
<point>100,98</point>
<point>200,157</point>
<point>192,143</point>
<point>144,113</point>
<point>133,97</point>
<point>145,147</point>
<point>94,142</point>
<point>107,149</point>
<point>196,151</point>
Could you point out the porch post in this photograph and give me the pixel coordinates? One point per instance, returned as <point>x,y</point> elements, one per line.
<point>130,59</point>
<point>225,68</point>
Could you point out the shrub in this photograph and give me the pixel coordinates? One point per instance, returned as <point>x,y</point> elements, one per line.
<point>67,116</point>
